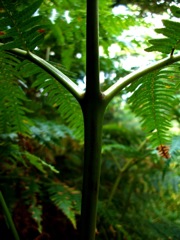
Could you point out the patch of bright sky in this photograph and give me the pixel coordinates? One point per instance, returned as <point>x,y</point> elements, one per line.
<point>54,15</point>
<point>138,34</point>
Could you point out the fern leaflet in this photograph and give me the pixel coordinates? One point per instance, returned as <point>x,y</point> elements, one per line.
<point>19,28</point>
<point>67,199</point>
<point>12,111</point>
<point>152,100</point>
<point>171,32</point>
<point>39,163</point>
<point>58,97</point>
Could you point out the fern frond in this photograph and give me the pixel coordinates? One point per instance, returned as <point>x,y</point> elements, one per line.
<point>175,11</point>
<point>19,28</point>
<point>49,132</point>
<point>12,112</point>
<point>38,162</point>
<point>61,99</point>
<point>58,97</point>
<point>171,32</point>
<point>31,199</point>
<point>152,100</point>
<point>67,199</point>
<point>56,94</point>
<point>9,149</point>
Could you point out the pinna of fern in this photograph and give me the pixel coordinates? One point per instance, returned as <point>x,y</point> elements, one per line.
<point>61,99</point>
<point>65,198</point>
<point>57,96</point>
<point>19,26</point>
<point>153,95</point>
<point>12,112</point>
<point>171,41</point>
<point>152,100</point>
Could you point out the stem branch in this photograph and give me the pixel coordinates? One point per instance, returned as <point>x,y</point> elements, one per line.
<point>8,217</point>
<point>53,71</point>
<point>125,81</point>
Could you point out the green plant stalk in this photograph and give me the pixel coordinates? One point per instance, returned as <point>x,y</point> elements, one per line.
<point>93,108</point>
<point>118,179</point>
<point>76,91</point>
<point>93,120</point>
<point>127,166</point>
<point>93,104</point>
<point>115,186</point>
<point>53,71</point>
<point>125,81</point>
<point>8,217</point>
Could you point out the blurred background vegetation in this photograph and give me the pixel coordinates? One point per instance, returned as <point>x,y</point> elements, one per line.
<point>41,171</point>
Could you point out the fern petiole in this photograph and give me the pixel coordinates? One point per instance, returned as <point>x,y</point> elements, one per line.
<point>58,75</point>
<point>53,71</point>
<point>8,217</point>
<point>124,82</point>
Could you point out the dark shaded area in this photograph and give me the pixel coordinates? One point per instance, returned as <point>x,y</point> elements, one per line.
<point>55,224</point>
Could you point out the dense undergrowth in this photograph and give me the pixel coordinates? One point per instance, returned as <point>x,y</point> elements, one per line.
<point>138,193</point>
<point>41,128</point>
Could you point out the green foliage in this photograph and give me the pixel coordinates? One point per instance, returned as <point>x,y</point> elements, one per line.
<point>38,163</point>
<point>171,32</point>
<point>58,97</point>
<point>21,158</point>
<point>33,151</point>
<point>61,99</point>
<point>153,100</point>
<point>67,199</point>
<point>12,150</point>
<point>19,149</point>
<point>9,149</point>
<point>49,132</point>
<point>131,183</point>
<point>13,113</point>
<point>14,34</point>
<point>175,11</point>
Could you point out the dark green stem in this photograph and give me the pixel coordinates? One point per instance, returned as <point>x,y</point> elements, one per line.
<point>92,48</point>
<point>93,119</point>
<point>93,111</point>
<point>8,217</point>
